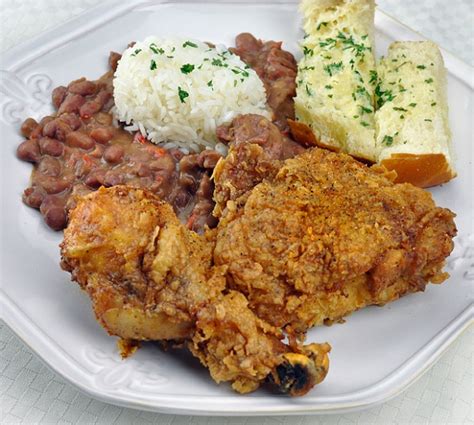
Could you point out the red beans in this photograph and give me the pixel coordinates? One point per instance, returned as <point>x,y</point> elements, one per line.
<point>49,166</point>
<point>72,120</point>
<point>113,154</point>
<point>82,87</point>
<point>58,96</point>
<point>89,108</point>
<point>143,170</point>
<point>54,212</point>
<point>76,139</point>
<point>102,134</point>
<point>113,178</point>
<point>29,151</point>
<point>53,185</point>
<point>72,103</point>
<point>97,152</point>
<point>114,57</point>
<point>95,179</point>
<point>49,146</point>
<point>57,129</point>
<point>164,163</point>
<point>28,126</point>
<point>33,197</point>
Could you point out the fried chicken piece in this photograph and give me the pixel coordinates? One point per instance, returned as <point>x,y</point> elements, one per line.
<point>327,236</point>
<point>256,151</point>
<point>150,278</point>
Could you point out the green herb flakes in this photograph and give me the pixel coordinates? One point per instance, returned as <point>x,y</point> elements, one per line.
<point>333,68</point>
<point>152,65</point>
<point>321,24</point>
<point>307,51</point>
<point>187,68</point>
<point>189,44</point>
<point>155,49</point>
<point>373,76</point>
<point>429,81</point>
<point>387,140</point>
<point>182,94</point>
<point>421,66</point>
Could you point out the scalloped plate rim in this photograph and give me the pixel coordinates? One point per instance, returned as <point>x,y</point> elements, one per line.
<point>40,343</point>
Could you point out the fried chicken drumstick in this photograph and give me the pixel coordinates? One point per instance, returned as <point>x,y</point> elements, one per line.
<point>150,278</point>
<point>301,241</point>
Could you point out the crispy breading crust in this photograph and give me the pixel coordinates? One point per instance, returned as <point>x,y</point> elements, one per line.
<point>329,235</point>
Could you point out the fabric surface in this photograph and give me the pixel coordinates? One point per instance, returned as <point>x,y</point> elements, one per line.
<point>31,393</point>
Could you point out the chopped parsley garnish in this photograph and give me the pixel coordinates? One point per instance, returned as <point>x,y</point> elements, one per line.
<point>399,66</point>
<point>387,140</point>
<point>187,68</point>
<point>182,94</point>
<point>189,44</point>
<point>421,66</point>
<point>307,51</point>
<point>412,105</point>
<point>321,24</point>
<point>395,108</point>
<point>333,68</point>
<point>238,70</point>
<point>355,116</point>
<point>364,109</point>
<point>152,65</point>
<point>402,117</point>
<point>307,68</point>
<point>360,90</point>
<point>217,62</point>
<point>329,87</point>
<point>155,49</point>
<point>330,96</point>
<point>210,83</point>
<point>364,124</point>
<point>429,81</point>
<point>426,119</point>
<point>308,90</point>
<point>350,44</point>
<point>383,96</point>
<point>373,76</point>
<point>329,43</point>
<point>433,104</point>
<point>136,52</point>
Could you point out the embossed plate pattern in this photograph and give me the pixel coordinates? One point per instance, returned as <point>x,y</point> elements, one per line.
<point>376,354</point>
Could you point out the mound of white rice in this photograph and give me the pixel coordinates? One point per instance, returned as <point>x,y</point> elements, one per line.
<point>177,91</point>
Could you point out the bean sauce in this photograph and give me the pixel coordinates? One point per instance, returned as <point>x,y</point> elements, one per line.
<point>78,149</point>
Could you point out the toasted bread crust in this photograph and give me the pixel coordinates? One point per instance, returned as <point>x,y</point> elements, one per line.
<point>420,170</point>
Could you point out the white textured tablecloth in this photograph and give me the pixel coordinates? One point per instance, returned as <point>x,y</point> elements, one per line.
<point>30,393</point>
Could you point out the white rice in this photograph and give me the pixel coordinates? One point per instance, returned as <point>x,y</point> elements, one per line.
<point>178,91</point>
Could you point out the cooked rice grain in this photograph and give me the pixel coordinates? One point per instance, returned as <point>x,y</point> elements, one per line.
<point>180,90</point>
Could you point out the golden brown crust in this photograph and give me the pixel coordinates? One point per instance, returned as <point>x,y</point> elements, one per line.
<point>150,278</point>
<point>329,235</point>
<point>420,170</point>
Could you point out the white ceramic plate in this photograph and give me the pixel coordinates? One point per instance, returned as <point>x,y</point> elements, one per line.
<point>376,354</point>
